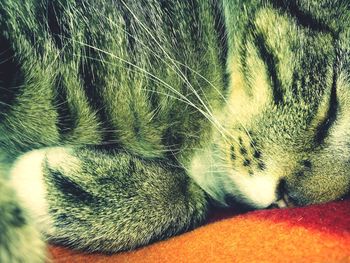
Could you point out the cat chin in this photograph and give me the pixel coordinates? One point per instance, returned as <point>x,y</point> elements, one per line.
<point>27,179</point>
<point>259,191</point>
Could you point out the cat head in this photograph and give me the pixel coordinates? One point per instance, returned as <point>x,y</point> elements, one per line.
<point>286,127</point>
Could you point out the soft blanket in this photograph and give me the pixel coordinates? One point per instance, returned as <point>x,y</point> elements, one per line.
<point>318,233</point>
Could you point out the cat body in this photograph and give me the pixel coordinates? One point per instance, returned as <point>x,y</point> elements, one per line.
<point>122,122</point>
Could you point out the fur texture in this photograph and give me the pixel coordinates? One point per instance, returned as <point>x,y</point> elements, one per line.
<point>122,122</point>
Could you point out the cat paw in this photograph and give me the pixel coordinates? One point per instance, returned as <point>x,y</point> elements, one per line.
<point>20,241</point>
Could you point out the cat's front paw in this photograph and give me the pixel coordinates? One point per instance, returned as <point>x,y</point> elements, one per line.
<point>20,241</point>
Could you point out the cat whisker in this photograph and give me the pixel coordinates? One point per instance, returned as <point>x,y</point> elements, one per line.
<point>177,70</point>
<point>163,60</point>
<point>180,73</point>
<point>205,114</point>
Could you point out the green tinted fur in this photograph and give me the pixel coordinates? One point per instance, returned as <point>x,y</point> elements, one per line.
<point>143,112</point>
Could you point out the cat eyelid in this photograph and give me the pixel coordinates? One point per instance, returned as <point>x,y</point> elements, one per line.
<point>324,126</point>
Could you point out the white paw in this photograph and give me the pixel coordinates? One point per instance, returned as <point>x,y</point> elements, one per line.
<point>27,179</point>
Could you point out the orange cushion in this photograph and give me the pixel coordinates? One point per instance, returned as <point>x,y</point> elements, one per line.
<point>319,233</point>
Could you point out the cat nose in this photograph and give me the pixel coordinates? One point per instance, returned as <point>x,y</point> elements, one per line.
<point>281,189</point>
<point>283,199</point>
<point>283,202</point>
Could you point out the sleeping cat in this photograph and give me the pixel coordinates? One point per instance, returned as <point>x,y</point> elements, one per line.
<point>124,122</point>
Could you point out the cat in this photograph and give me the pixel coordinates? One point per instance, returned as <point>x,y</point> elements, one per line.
<point>126,122</point>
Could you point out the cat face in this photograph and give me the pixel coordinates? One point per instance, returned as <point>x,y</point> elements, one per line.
<point>278,156</point>
<point>287,121</point>
<point>289,104</point>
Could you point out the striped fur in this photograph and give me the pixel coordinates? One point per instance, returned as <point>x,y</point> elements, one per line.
<point>121,121</point>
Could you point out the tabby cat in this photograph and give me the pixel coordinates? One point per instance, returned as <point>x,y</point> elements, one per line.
<point>125,122</point>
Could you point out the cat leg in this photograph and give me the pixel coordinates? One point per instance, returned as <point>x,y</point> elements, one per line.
<point>99,201</point>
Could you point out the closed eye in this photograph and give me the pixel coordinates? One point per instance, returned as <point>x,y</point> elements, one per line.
<point>323,129</point>
<point>270,61</point>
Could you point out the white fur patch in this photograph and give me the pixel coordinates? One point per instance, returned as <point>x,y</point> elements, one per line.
<point>258,190</point>
<point>60,158</point>
<point>27,179</point>
<point>203,171</point>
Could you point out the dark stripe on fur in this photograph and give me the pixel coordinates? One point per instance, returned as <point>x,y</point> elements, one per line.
<point>66,118</point>
<point>56,23</point>
<point>295,83</point>
<point>243,57</point>
<point>270,61</point>
<point>11,76</point>
<point>93,88</point>
<point>302,17</point>
<point>323,129</point>
<point>220,28</point>
<point>71,190</point>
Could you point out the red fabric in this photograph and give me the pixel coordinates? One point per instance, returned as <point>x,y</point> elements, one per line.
<point>319,233</point>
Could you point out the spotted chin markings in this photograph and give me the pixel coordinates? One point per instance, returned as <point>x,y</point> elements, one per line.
<point>257,154</point>
<point>300,174</point>
<point>243,150</point>
<point>307,164</point>
<point>246,162</point>
<point>232,153</point>
<point>261,166</point>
